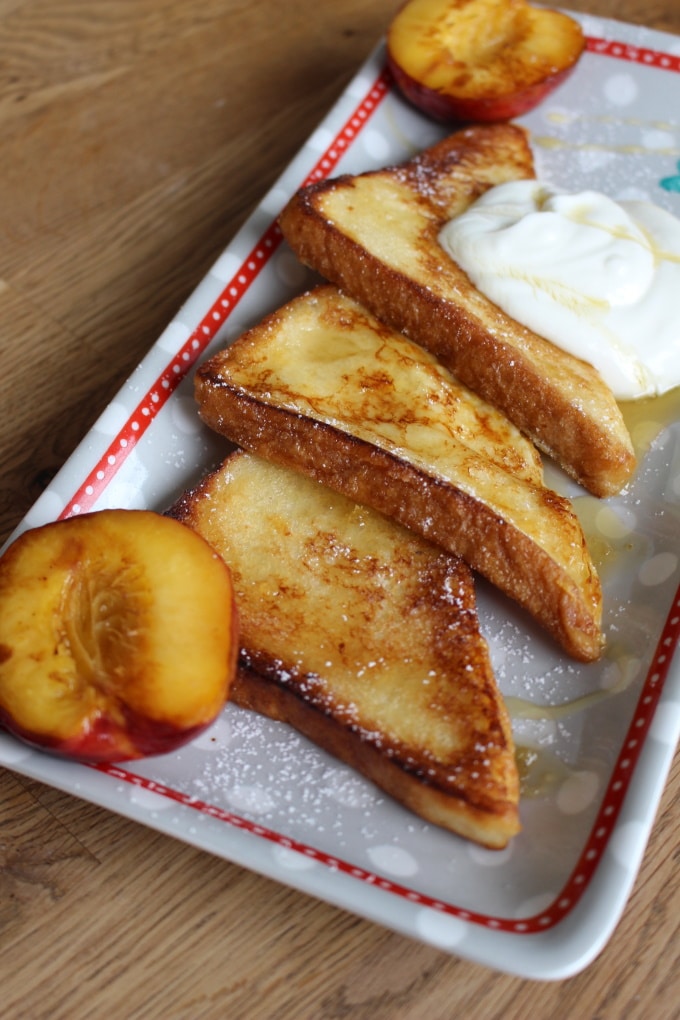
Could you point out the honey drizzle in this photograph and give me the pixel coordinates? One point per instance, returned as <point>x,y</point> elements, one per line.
<point>540,771</point>
<point>550,142</point>
<point>646,419</point>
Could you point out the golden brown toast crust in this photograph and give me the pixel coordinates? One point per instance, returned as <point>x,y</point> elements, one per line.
<point>365,638</point>
<point>482,819</point>
<point>375,235</point>
<point>523,537</point>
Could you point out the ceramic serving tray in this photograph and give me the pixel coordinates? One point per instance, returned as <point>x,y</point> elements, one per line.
<point>599,738</point>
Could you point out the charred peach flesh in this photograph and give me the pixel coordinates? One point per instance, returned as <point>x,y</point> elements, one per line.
<point>118,635</point>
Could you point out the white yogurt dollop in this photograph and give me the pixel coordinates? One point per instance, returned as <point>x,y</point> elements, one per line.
<point>597,278</point>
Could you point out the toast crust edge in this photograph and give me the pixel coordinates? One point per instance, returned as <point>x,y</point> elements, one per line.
<point>431,507</point>
<point>490,822</point>
<point>474,792</point>
<point>595,450</point>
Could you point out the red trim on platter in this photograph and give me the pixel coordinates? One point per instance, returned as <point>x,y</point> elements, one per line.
<point>166,384</point>
<point>157,397</point>
<point>635,54</point>
<point>586,866</point>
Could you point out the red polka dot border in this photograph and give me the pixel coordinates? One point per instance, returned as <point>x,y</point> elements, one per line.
<point>157,397</point>
<point>166,384</point>
<point>633,54</point>
<point>580,878</point>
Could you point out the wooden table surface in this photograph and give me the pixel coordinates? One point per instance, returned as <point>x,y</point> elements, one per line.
<point>136,135</point>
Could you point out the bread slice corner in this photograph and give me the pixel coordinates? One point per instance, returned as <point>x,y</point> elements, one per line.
<point>365,638</point>
<point>324,387</point>
<point>375,235</point>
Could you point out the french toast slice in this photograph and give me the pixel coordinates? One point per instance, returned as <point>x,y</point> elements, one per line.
<point>324,387</point>
<point>375,235</point>
<point>365,638</point>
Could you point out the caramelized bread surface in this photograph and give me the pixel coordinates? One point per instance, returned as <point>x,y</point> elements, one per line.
<point>365,638</point>
<point>322,386</point>
<point>375,235</point>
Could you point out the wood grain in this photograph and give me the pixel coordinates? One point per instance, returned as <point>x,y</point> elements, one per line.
<point>135,139</point>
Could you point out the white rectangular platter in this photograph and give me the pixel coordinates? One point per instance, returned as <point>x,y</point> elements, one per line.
<point>603,736</point>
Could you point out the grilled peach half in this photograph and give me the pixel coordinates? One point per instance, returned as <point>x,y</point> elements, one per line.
<point>480,60</point>
<point>118,635</point>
